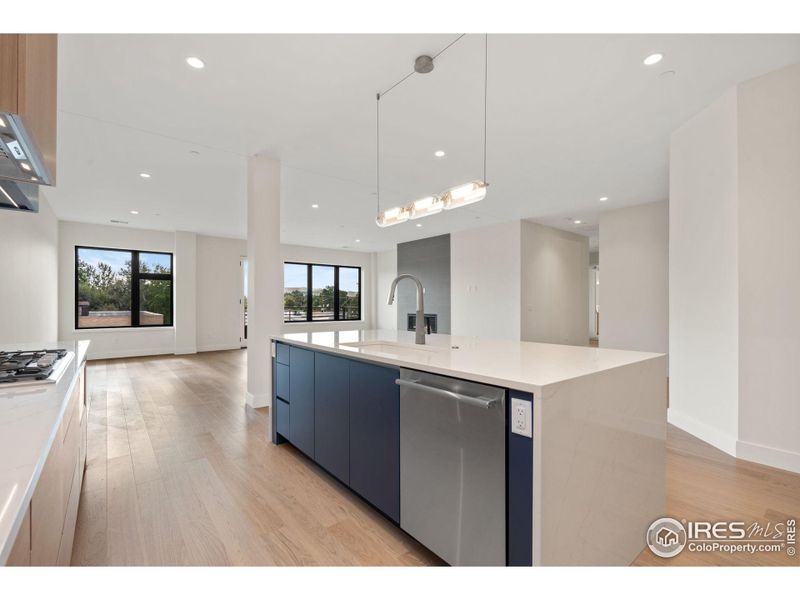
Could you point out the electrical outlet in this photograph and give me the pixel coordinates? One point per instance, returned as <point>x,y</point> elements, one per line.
<point>521,418</point>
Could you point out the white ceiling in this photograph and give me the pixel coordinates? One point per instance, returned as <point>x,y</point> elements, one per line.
<point>570,118</point>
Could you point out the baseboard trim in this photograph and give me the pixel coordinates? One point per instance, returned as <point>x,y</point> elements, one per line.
<point>766,455</point>
<point>711,435</point>
<point>218,347</point>
<point>191,350</point>
<point>256,400</point>
<point>128,354</point>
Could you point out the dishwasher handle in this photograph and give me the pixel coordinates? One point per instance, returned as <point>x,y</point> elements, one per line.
<point>480,402</point>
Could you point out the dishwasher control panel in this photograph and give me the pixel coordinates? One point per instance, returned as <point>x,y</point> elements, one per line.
<point>521,417</point>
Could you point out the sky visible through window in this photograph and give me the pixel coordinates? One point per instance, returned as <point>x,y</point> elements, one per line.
<point>116,259</point>
<point>348,279</point>
<point>113,258</point>
<point>154,260</point>
<point>295,276</point>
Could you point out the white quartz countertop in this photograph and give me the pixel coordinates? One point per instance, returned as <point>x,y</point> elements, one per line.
<point>523,366</point>
<point>29,419</point>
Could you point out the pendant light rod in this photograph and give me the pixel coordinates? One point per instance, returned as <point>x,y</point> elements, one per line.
<point>485,95</point>
<point>378,97</point>
<point>434,57</point>
<point>462,195</point>
<point>378,153</point>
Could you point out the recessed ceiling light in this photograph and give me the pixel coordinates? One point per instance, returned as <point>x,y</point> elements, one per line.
<point>577,221</point>
<point>604,198</point>
<point>25,166</point>
<point>134,212</point>
<point>419,224</point>
<point>315,206</point>
<point>195,62</point>
<point>439,153</point>
<point>358,241</point>
<point>653,59</point>
<point>144,175</point>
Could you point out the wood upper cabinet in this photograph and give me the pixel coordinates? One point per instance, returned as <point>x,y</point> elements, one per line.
<point>28,87</point>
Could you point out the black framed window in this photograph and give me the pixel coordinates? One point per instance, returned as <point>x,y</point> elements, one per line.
<point>318,292</point>
<point>122,288</point>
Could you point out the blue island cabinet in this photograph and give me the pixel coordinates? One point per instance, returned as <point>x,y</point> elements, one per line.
<point>301,399</point>
<point>375,436</point>
<point>332,415</point>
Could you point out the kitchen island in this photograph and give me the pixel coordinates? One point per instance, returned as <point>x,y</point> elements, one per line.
<point>578,435</point>
<point>42,455</point>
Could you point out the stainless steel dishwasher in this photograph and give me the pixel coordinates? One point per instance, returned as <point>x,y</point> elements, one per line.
<point>452,467</point>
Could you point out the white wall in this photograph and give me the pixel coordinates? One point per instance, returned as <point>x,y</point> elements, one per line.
<point>28,276</point>
<point>109,343</point>
<point>485,272</point>
<point>208,287</point>
<point>769,268</point>
<point>336,257</point>
<point>385,272</point>
<point>185,282</point>
<point>703,275</point>
<point>220,283</point>
<point>594,299</point>
<point>635,311</point>
<point>554,285</point>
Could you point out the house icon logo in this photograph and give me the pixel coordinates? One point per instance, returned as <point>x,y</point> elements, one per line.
<point>666,537</point>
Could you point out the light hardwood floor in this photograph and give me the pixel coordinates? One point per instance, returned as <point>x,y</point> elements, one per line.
<point>181,473</point>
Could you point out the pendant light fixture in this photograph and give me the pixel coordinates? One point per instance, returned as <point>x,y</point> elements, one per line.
<point>456,197</point>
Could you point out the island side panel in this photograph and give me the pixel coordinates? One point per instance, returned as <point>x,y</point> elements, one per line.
<point>599,464</point>
<point>519,483</point>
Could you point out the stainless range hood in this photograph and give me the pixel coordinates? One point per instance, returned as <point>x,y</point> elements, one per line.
<point>20,160</point>
<point>16,195</point>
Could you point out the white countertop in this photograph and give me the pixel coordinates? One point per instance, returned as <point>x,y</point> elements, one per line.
<point>523,366</point>
<point>29,419</point>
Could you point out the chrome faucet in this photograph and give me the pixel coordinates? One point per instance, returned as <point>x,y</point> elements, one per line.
<point>420,324</point>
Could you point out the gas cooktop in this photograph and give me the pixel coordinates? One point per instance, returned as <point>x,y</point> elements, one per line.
<point>19,366</point>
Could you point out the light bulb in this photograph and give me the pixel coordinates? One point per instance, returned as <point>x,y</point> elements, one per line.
<point>392,216</point>
<point>465,194</point>
<point>430,205</point>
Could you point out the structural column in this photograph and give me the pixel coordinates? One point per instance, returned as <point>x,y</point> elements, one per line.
<point>265,280</point>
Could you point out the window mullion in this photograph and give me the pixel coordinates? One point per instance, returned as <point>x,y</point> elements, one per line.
<point>135,289</point>
<point>309,292</point>
<point>335,293</point>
